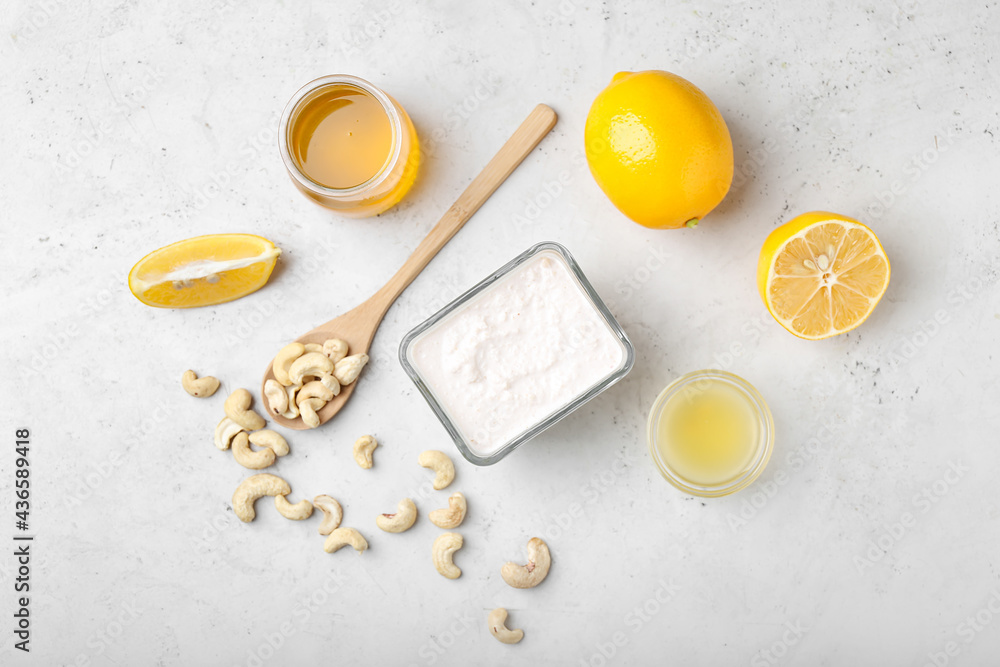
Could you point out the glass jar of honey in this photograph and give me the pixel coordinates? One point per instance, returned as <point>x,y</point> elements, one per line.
<point>348,145</point>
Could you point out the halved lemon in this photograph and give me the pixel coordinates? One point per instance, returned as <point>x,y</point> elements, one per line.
<point>822,274</point>
<point>203,271</point>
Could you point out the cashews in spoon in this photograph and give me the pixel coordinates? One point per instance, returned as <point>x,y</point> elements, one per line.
<point>363,448</point>
<point>237,408</point>
<point>225,431</point>
<point>534,572</point>
<point>293,409</point>
<point>335,348</point>
<point>443,553</point>
<point>270,439</point>
<point>333,513</point>
<point>284,359</point>
<point>248,458</point>
<point>307,410</point>
<point>451,516</point>
<point>402,520</point>
<point>497,622</point>
<point>349,368</point>
<point>199,387</point>
<point>254,487</point>
<point>330,382</point>
<point>297,512</point>
<point>442,466</point>
<point>277,397</point>
<point>314,389</point>
<point>341,537</point>
<point>309,364</point>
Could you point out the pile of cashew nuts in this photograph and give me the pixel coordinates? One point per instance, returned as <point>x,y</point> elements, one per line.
<point>308,376</point>
<point>242,427</point>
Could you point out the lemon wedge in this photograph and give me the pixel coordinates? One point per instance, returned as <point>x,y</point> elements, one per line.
<point>203,271</point>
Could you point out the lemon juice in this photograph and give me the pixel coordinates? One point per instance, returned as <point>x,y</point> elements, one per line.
<point>710,433</point>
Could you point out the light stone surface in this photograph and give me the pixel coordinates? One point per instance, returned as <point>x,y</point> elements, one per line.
<point>130,125</point>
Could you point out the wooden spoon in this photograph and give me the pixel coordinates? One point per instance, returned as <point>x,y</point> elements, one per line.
<point>358,326</point>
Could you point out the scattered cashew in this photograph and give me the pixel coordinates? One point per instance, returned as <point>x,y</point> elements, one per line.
<point>313,347</point>
<point>333,513</point>
<point>341,537</point>
<point>270,439</point>
<point>225,431</point>
<point>363,448</point>
<point>349,368</point>
<point>402,520</point>
<point>532,574</point>
<point>297,512</point>
<point>308,409</point>
<point>199,387</point>
<point>443,552</point>
<point>248,458</point>
<point>453,515</point>
<point>293,410</point>
<point>237,408</point>
<point>310,363</point>
<point>252,488</point>
<point>335,348</point>
<point>330,382</point>
<point>284,359</point>
<point>314,389</point>
<point>442,466</point>
<point>497,622</point>
<point>277,397</point>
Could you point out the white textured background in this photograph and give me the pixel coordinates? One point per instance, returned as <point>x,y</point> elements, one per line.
<point>129,125</point>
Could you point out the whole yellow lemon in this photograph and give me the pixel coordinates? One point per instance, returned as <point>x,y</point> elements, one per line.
<point>659,149</point>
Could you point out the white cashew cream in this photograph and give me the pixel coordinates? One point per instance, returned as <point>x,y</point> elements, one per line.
<point>525,347</point>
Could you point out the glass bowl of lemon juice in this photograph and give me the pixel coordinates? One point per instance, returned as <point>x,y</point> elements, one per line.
<point>710,433</point>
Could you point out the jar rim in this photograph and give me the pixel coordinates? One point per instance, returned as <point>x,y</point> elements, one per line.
<point>765,443</point>
<point>291,113</point>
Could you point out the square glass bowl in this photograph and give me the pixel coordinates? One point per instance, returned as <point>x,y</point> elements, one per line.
<point>492,289</point>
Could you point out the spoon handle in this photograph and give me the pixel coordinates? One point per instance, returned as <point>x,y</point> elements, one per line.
<point>534,128</point>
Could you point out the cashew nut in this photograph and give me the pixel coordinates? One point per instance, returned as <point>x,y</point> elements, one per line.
<point>330,382</point>
<point>225,431</point>
<point>270,439</point>
<point>341,537</point>
<point>335,348</point>
<point>308,409</point>
<point>199,387</point>
<point>314,389</point>
<point>363,448</point>
<point>443,552</point>
<point>252,488</point>
<point>532,574</point>
<point>293,410</point>
<point>332,513</point>
<point>313,347</point>
<point>402,520</point>
<point>297,512</point>
<point>349,368</point>
<point>248,458</point>
<point>453,515</point>
<point>284,359</point>
<point>277,397</point>
<point>237,408</point>
<point>310,363</point>
<point>497,622</point>
<point>442,466</point>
